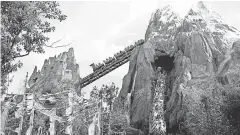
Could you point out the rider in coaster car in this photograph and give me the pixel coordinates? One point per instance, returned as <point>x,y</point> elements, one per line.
<point>121,52</point>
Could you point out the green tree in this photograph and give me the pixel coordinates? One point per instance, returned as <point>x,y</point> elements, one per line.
<point>24,25</point>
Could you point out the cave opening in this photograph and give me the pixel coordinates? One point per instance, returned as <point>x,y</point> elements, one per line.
<point>166,62</point>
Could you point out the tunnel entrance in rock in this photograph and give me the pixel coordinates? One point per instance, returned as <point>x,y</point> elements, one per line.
<point>165,62</point>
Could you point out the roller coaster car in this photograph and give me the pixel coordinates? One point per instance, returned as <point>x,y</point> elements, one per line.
<point>108,60</point>
<point>136,43</point>
<point>99,66</point>
<point>119,54</point>
<point>86,77</point>
<point>126,49</point>
<point>89,76</point>
<point>113,58</point>
<point>116,55</point>
<point>139,42</point>
<point>96,67</point>
<point>93,67</point>
<point>129,48</point>
<point>105,61</point>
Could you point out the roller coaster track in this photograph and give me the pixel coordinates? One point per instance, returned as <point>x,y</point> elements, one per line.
<point>107,68</point>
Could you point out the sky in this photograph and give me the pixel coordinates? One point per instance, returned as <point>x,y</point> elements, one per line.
<point>99,29</point>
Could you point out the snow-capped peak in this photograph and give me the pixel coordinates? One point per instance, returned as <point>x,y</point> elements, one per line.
<point>208,13</point>
<point>165,15</point>
<point>201,6</point>
<point>202,13</point>
<point>166,9</point>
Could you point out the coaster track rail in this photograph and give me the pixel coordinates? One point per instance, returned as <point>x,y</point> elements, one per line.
<point>110,64</point>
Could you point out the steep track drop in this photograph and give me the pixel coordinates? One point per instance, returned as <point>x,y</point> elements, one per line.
<point>122,58</point>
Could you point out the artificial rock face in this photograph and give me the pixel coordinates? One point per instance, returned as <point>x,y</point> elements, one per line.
<point>54,70</point>
<point>55,88</point>
<point>51,99</point>
<point>200,55</point>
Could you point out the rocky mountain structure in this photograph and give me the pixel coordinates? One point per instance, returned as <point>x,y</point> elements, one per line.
<point>51,100</point>
<point>183,80</point>
<point>56,93</point>
<point>200,56</point>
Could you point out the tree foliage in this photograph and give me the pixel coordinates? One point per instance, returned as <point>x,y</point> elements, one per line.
<point>106,94</point>
<point>24,25</point>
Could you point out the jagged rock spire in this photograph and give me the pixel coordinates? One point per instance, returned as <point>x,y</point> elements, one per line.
<point>59,67</point>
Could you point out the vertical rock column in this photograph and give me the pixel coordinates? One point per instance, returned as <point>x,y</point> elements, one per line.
<point>158,125</point>
<point>52,124</point>
<point>30,128</point>
<point>69,112</point>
